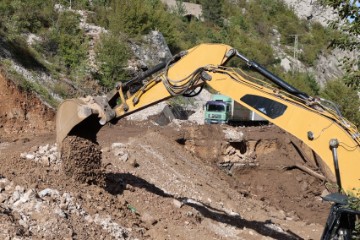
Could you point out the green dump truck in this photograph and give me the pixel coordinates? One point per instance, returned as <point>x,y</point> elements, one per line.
<point>223,109</point>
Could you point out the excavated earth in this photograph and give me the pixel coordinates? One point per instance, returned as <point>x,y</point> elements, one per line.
<point>144,181</point>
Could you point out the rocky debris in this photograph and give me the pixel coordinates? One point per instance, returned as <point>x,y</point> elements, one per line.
<point>147,112</point>
<point>47,214</point>
<point>120,151</point>
<point>238,156</point>
<point>233,134</point>
<point>198,107</point>
<point>47,155</point>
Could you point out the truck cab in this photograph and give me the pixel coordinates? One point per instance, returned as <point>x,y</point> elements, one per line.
<point>217,110</point>
<point>222,109</point>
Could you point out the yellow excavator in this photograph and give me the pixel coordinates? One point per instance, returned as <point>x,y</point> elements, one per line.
<point>312,120</point>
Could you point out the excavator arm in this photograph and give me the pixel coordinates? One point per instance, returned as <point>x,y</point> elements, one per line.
<point>331,136</point>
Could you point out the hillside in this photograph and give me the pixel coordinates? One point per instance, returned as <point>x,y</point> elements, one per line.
<point>148,176</point>
<point>62,51</point>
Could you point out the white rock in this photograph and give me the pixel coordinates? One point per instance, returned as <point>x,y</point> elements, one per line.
<point>53,149</point>
<point>20,189</point>
<point>119,152</point>
<point>177,203</point>
<point>48,192</point>
<point>124,157</point>
<point>117,145</point>
<point>43,149</point>
<point>52,158</point>
<point>30,156</point>
<point>15,196</point>
<point>45,161</point>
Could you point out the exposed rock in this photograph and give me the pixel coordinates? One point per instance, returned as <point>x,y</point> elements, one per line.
<point>152,51</point>
<point>312,10</point>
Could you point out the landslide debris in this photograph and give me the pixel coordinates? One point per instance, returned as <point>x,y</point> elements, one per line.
<point>81,160</point>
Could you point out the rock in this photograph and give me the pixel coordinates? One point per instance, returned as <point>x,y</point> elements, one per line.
<point>43,149</point>
<point>124,157</point>
<point>20,189</point>
<point>45,161</point>
<point>53,149</point>
<point>149,219</point>
<point>30,156</point>
<point>117,145</point>
<point>119,152</point>
<point>52,158</point>
<point>48,192</point>
<point>233,135</point>
<point>177,203</point>
<point>30,194</point>
<point>3,198</point>
<point>3,183</point>
<point>15,197</point>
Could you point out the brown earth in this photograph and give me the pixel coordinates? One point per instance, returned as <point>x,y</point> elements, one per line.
<point>181,181</point>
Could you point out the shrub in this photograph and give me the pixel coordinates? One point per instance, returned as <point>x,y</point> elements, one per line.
<point>112,56</point>
<point>345,97</point>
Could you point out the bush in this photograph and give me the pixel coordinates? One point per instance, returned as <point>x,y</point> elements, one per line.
<point>112,56</point>
<point>345,97</point>
<point>65,42</point>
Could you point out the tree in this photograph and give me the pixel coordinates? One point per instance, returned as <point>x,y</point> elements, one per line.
<point>345,97</point>
<point>212,11</point>
<point>349,24</point>
<point>112,56</point>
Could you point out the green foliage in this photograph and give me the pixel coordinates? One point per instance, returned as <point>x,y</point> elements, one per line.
<point>65,42</point>
<point>304,82</point>
<point>18,16</point>
<point>212,11</point>
<point>134,17</point>
<point>354,203</point>
<point>112,55</point>
<point>345,97</point>
<point>349,24</point>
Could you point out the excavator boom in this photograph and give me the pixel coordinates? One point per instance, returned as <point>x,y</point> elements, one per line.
<point>283,105</point>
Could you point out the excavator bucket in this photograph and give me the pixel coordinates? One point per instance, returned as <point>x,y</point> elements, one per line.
<point>82,116</point>
<point>70,113</point>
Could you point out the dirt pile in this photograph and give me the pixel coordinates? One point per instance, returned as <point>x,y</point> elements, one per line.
<point>81,160</point>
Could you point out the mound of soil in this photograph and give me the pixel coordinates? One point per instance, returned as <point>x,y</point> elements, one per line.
<point>81,160</point>
<point>22,111</point>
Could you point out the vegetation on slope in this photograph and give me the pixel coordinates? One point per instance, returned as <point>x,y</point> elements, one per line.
<point>250,26</point>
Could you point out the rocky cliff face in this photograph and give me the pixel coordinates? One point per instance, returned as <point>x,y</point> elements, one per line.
<point>327,66</point>
<point>150,52</point>
<point>312,10</point>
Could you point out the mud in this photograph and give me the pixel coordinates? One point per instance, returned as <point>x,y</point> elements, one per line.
<point>81,160</point>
